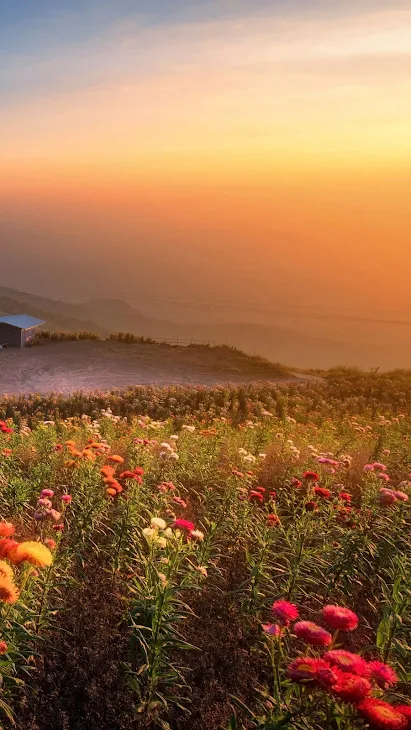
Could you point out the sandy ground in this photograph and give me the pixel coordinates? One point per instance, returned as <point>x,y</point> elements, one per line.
<point>65,367</point>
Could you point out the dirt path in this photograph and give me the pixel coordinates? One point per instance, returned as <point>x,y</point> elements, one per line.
<point>65,367</point>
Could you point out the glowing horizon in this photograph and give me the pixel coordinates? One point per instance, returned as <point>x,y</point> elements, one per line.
<point>215,123</point>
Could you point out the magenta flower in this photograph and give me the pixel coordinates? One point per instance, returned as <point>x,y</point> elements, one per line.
<point>339,617</point>
<point>285,612</point>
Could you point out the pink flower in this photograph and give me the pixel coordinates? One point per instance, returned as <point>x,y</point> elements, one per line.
<point>401,496</point>
<point>180,501</point>
<point>383,675</point>
<point>383,476</point>
<point>378,465</point>
<point>387,496</point>
<point>184,525</point>
<point>346,661</point>
<point>66,498</point>
<point>47,493</point>
<point>285,612</point>
<point>271,629</point>
<point>351,688</point>
<point>310,633</point>
<point>339,617</point>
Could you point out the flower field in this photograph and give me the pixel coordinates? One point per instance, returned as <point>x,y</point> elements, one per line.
<point>222,559</point>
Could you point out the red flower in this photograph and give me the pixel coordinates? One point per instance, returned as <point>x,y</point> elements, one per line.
<point>312,634</point>
<point>327,676</point>
<point>406,711</point>
<point>260,489</point>
<point>296,483</point>
<point>6,545</point>
<point>66,498</point>
<point>255,496</point>
<point>184,525</point>
<point>311,476</point>
<point>58,528</point>
<point>322,492</point>
<point>127,475</point>
<point>339,617</point>
<point>3,647</point>
<point>381,674</point>
<point>345,496</point>
<point>311,506</point>
<point>138,470</point>
<point>381,715</point>
<point>285,612</point>
<point>346,661</point>
<point>305,668</point>
<point>351,688</point>
<point>273,520</point>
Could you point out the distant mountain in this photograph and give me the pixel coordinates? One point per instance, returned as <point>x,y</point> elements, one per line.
<point>279,344</point>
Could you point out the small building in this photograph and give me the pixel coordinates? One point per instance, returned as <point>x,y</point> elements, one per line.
<point>18,329</point>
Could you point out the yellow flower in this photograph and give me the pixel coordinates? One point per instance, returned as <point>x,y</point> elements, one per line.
<point>31,552</point>
<point>161,542</point>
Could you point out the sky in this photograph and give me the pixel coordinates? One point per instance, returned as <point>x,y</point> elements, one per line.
<point>250,154</point>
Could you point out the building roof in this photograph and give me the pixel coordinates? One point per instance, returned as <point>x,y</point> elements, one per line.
<point>22,321</point>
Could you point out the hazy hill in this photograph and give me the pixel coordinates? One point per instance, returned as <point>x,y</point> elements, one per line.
<point>276,343</point>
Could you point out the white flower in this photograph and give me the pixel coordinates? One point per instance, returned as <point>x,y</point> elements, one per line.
<point>150,534</point>
<point>166,446</point>
<point>158,522</point>
<point>262,456</point>
<point>197,534</point>
<point>242,452</point>
<point>174,456</point>
<point>174,437</point>
<point>250,458</point>
<point>161,542</point>
<point>191,429</point>
<point>168,532</point>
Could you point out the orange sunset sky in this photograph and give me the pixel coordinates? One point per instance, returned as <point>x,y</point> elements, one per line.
<point>256,153</point>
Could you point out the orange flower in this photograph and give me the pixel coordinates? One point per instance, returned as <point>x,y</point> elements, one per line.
<point>6,571</point>
<point>110,491</point>
<point>6,529</point>
<point>7,452</point>
<point>8,591</point>
<point>116,459</point>
<point>69,463</point>
<point>89,455</point>
<point>3,647</point>
<point>107,471</point>
<point>31,552</point>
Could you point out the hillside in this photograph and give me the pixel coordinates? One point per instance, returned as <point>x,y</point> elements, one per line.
<point>279,344</point>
